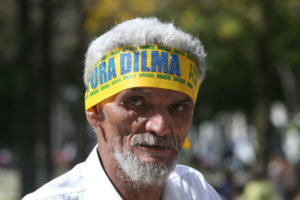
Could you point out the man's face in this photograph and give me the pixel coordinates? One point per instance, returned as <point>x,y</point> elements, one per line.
<point>149,125</point>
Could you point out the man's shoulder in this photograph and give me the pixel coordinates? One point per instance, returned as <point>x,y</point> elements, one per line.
<point>67,185</point>
<point>188,183</point>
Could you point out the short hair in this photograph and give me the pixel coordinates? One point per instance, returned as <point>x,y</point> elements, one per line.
<point>140,31</point>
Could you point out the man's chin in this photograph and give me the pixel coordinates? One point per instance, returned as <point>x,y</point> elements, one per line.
<point>145,170</point>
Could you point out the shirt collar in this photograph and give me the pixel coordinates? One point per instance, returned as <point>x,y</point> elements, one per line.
<point>97,183</point>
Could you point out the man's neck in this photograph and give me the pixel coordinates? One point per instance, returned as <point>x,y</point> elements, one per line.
<point>122,183</point>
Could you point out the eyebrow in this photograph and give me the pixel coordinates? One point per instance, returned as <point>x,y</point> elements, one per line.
<point>186,100</point>
<point>148,93</point>
<point>143,91</point>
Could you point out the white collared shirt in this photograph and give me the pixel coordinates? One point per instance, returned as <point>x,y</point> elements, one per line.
<point>88,181</point>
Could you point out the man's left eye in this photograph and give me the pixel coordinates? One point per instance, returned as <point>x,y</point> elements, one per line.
<point>179,107</point>
<point>136,101</point>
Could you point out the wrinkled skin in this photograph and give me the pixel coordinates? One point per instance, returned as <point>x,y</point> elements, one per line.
<point>155,111</point>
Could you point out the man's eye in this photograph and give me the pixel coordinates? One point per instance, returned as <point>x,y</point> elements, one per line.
<point>179,107</point>
<point>136,101</point>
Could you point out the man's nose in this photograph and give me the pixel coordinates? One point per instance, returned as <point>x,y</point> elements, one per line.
<point>158,123</point>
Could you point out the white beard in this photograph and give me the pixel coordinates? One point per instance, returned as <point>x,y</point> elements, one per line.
<point>143,174</point>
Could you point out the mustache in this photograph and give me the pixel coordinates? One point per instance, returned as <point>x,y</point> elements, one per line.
<point>153,140</point>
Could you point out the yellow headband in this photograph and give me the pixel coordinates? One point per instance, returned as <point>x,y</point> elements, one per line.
<point>142,66</point>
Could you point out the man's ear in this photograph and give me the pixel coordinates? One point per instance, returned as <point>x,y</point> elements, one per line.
<point>94,116</point>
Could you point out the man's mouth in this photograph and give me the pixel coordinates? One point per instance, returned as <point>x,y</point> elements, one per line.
<point>155,150</point>
<point>154,146</point>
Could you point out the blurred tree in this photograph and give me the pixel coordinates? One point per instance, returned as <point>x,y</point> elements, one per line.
<point>102,14</point>
<point>6,82</point>
<point>24,118</point>
<point>45,74</point>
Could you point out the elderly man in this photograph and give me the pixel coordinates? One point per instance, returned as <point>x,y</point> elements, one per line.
<point>142,79</point>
